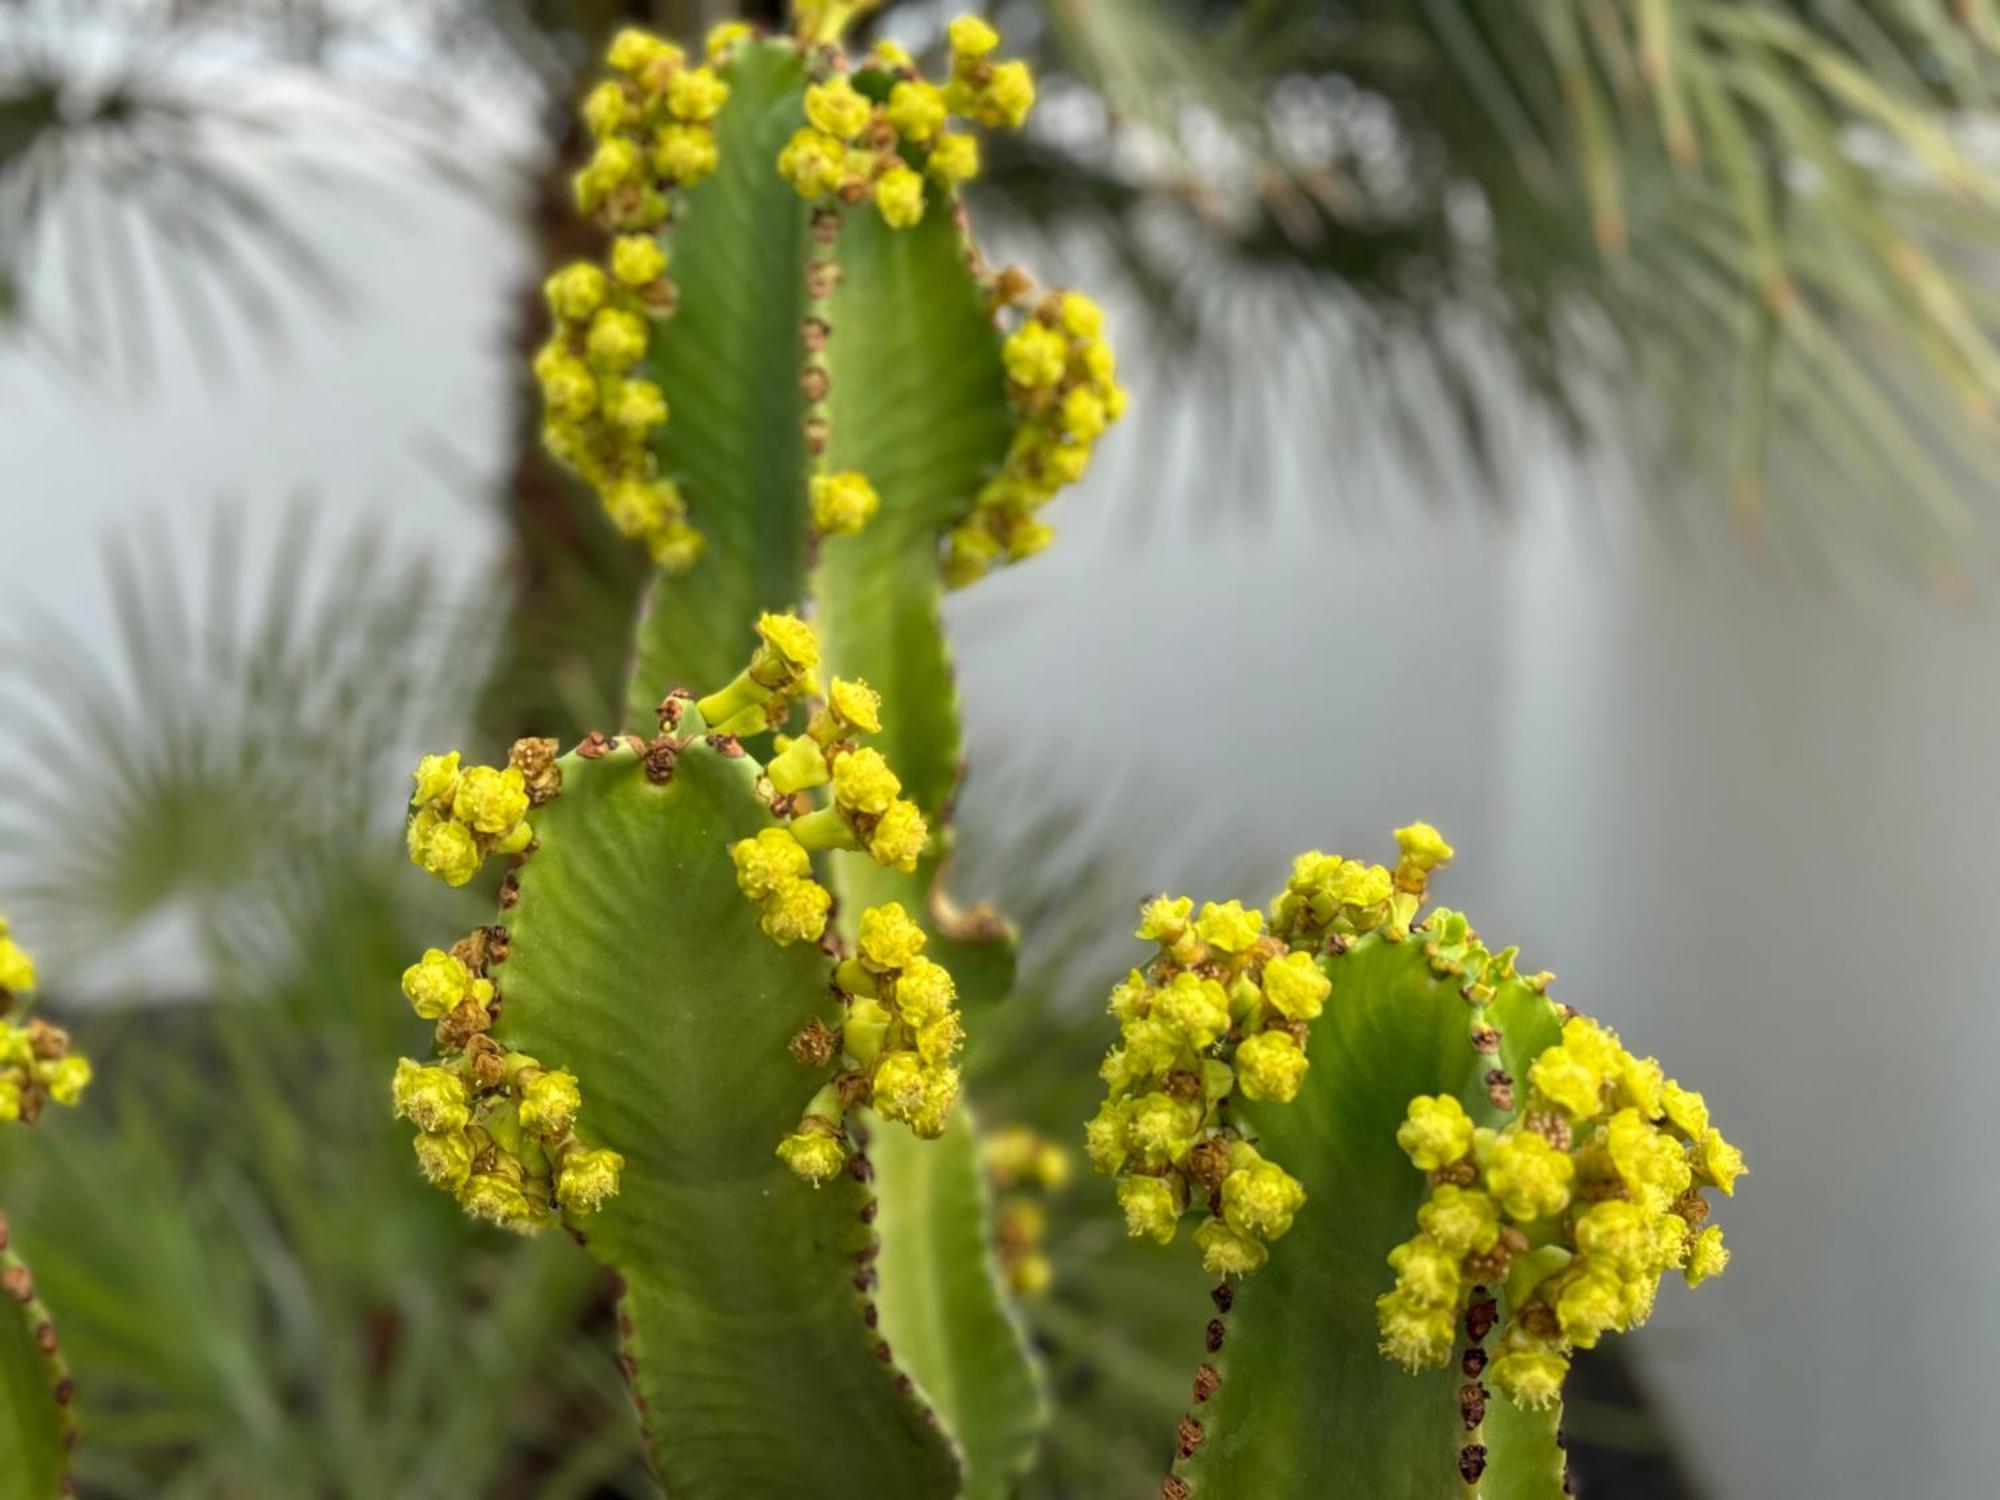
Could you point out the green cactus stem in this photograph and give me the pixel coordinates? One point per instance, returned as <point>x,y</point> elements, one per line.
<point>37,1424</point>
<point>1411,1157</point>
<point>795,382</point>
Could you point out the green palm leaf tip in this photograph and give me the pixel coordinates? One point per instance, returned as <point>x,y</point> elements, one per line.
<point>37,1428</point>
<point>1414,1158</point>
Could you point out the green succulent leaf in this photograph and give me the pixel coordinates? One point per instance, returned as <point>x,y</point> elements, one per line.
<point>941,1307</point>
<point>634,961</point>
<point>1306,1404</point>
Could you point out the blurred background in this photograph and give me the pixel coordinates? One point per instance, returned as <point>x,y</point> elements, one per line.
<point>1572,423</point>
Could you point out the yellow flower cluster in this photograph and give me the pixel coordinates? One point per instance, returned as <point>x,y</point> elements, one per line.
<point>458,817</point>
<point>654,128</point>
<point>1062,379</point>
<point>898,1041</point>
<point>36,1064</point>
<point>781,669</point>
<point>880,135</point>
<point>1328,895</point>
<point>1577,1208</point>
<point>1223,1010</point>
<point>496,1129</point>
<point>1024,1168</point>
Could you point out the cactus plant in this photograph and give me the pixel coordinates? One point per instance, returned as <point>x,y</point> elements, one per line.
<point>37,1427</point>
<point>714,1030</point>
<point>794,382</point>
<point>1484,1182</point>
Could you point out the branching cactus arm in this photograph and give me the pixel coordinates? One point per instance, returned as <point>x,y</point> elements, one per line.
<point>1399,1144</point>
<point>37,1426</point>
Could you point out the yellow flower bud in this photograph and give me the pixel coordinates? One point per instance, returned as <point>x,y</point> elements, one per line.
<point>632,50</point>
<point>790,640</point>
<point>917,110</point>
<point>842,503</point>
<point>1261,1199</point>
<point>1163,920</point>
<point>637,259</point>
<point>576,291</point>
<point>685,154</point>
<point>549,1103</point>
<point>1270,1065</point>
<point>837,109</point>
<point>1296,986</point>
<point>1423,847</point>
<point>445,1160</point>
<point>616,341</point>
<point>1567,1081</point>
<point>1529,1377</point>
<point>436,983</point>
<point>1035,355</point>
<point>1427,1274</point>
<point>972,37</point>
<point>925,992</point>
<point>1707,1256</point>
<point>1083,414</point>
<point>899,194</point>
<point>498,1201</point>
<point>1651,1164</point>
<point>66,1078</point>
<point>898,841</point>
<point>607,109</point>
<point>634,406</point>
<point>863,783</point>
<point>1462,1220</point>
<point>889,940</point>
<point>1196,1009</point>
<point>1080,317</point>
<point>1228,1252</point>
<point>796,911</point>
<point>17,969</point>
<point>954,159</point>
<point>1416,1336</point>
<point>587,1179</point>
<point>1686,1110</point>
<point>813,162</point>
<point>1720,1162</point>
<point>1106,1136</point>
<point>491,801</point>
<point>1228,928</point>
<point>725,37</point>
<point>856,705</point>
<point>446,849</point>
<point>431,1098</point>
<point>813,1155</point>
<point>437,779</point>
<point>1008,97</point>
<point>899,1085</point>
<point>1530,1178</point>
<point>696,95</point>
<point>1436,1132</point>
<point>1153,1207</point>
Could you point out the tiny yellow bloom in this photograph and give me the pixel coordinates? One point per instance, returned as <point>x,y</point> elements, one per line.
<point>1296,986</point>
<point>587,1179</point>
<point>1228,928</point>
<point>791,640</point>
<point>1530,1178</point>
<point>1530,1377</point>
<point>1414,1335</point>
<point>1261,1199</point>
<point>796,911</point>
<point>1462,1220</point>
<point>1568,1082</point>
<point>549,1103</point>
<point>1720,1162</point>
<point>431,1098</point>
<point>632,50</point>
<point>637,259</point>
<point>864,784</point>
<point>1080,317</point>
<point>1686,1110</point>
<point>1423,846</point>
<point>899,194</point>
<point>856,705</point>
<point>1229,1252</point>
<point>435,984</point>
<point>972,37</point>
<point>925,992</point>
<point>1008,98</point>
<point>1436,1132</point>
<point>917,110</point>
<point>1426,1273</point>
<point>1707,1256</point>
<point>17,969</point>
<point>838,109</point>
<point>1196,1008</point>
<point>696,95</point>
<point>576,291</point>
<point>1152,1206</point>
<point>813,1155</point>
<point>437,778</point>
<point>616,341</point>
<point>1270,1065</point>
<point>842,503</point>
<point>446,850</point>
<point>725,37</point>
<point>490,801</point>
<point>955,158</point>
<point>1035,355</point>
<point>889,940</point>
<point>899,839</point>
<point>685,154</point>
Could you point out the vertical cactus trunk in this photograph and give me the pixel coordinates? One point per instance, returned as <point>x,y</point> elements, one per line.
<point>791,384</point>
